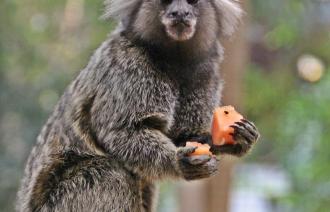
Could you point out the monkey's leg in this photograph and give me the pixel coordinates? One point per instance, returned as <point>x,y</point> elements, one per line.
<point>149,196</point>
<point>86,183</point>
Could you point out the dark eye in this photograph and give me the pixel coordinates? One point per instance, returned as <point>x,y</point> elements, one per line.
<point>192,1</point>
<point>166,1</point>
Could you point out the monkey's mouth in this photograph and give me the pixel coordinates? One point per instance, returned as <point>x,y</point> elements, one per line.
<point>180,30</point>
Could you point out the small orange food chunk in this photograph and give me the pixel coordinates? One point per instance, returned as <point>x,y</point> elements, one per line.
<point>223,118</point>
<point>202,149</point>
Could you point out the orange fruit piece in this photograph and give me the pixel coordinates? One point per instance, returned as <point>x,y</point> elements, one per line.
<point>202,149</point>
<point>223,118</point>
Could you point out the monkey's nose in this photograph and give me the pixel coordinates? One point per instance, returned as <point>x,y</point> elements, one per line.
<point>179,14</point>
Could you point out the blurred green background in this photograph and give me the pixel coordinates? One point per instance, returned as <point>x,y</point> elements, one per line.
<point>43,45</point>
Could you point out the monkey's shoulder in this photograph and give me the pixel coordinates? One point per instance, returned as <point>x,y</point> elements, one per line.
<point>129,55</point>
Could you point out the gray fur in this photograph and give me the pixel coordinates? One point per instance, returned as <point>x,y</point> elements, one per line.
<point>120,126</point>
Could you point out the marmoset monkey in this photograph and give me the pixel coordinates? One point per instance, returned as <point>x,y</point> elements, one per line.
<point>122,124</point>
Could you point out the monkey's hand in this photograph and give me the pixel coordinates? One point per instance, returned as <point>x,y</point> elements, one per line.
<point>196,167</point>
<point>245,134</point>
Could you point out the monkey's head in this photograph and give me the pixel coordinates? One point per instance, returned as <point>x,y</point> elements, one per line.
<point>179,18</point>
<point>179,22</point>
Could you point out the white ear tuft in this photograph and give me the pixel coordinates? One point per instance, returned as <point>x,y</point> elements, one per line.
<point>230,14</point>
<point>119,9</point>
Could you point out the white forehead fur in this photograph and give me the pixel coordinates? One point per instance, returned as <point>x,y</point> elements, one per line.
<point>229,12</point>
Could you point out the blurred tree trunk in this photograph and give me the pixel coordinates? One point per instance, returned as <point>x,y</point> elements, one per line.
<point>72,17</point>
<point>213,195</point>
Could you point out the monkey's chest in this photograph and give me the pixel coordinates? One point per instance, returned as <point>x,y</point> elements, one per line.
<point>193,112</point>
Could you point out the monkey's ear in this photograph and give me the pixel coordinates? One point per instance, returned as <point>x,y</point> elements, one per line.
<point>119,9</point>
<point>230,15</point>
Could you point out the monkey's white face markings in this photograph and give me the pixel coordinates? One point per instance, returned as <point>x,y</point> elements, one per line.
<point>179,30</point>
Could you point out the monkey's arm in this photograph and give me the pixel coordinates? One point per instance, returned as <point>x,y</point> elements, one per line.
<point>194,121</point>
<point>245,134</point>
<point>145,151</point>
<point>129,115</point>
<point>153,156</point>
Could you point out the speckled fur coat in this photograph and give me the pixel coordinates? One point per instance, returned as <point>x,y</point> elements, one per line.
<point>118,127</point>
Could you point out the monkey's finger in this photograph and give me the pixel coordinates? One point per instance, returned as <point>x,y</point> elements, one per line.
<point>215,149</point>
<point>185,151</point>
<point>242,146</point>
<point>209,168</point>
<point>243,133</point>
<point>250,123</point>
<point>213,163</point>
<point>206,170</point>
<point>197,159</point>
<point>248,127</point>
<point>200,174</point>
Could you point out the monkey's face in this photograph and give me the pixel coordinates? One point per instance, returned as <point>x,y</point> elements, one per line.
<point>196,24</point>
<point>179,18</point>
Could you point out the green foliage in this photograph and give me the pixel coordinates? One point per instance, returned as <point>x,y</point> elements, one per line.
<point>293,115</point>
<point>43,44</point>
<point>304,130</point>
<point>294,119</point>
